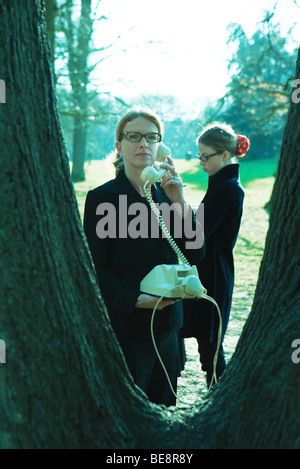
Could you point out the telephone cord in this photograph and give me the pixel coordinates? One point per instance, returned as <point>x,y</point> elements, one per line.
<point>183,259</point>
<point>219,339</point>
<point>163,227</point>
<point>215,360</point>
<point>157,352</point>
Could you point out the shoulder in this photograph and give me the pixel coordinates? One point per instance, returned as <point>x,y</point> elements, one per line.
<point>106,187</point>
<point>234,184</point>
<point>232,190</point>
<point>228,192</point>
<point>105,191</point>
<point>231,185</point>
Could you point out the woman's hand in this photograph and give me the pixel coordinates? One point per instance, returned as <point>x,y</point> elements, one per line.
<point>173,185</point>
<point>149,301</point>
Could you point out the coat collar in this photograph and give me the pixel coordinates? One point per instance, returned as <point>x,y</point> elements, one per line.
<point>230,171</point>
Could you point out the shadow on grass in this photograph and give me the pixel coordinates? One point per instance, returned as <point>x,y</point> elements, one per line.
<point>250,246</point>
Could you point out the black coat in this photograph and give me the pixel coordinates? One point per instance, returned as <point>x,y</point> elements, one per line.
<point>122,262</point>
<point>223,205</point>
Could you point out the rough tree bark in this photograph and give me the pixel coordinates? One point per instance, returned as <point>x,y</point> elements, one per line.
<point>51,9</point>
<point>65,383</point>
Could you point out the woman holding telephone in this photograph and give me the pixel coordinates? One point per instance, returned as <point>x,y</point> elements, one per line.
<point>121,262</point>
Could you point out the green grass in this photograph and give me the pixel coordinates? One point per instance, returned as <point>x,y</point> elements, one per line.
<point>252,172</point>
<point>192,174</point>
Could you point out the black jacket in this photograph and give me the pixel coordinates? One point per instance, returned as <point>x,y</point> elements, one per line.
<point>223,205</point>
<point>122,262</point>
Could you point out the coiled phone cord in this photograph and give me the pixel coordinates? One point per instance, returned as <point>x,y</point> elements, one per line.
<point>163,227</point>
<point>183,259</point>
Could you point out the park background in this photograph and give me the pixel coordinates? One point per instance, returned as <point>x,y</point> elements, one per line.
<point>230,62</point>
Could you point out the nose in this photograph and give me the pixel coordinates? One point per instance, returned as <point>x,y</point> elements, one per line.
<point>143,142</point>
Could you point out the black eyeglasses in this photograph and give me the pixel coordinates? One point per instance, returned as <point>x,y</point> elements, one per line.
<point>151,137</point>
<point>206,158</point>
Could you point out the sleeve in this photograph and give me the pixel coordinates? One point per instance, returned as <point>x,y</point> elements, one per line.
<point>116,292</point>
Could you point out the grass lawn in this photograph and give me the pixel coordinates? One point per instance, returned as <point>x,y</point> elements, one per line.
<point>257,177</point>
<point>260,173</point>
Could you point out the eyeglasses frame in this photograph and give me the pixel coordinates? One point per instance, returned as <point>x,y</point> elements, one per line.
<point>142,135</point>
<point>204,159</point>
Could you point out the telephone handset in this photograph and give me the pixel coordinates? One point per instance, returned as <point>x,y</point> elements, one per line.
<point>152,175</point>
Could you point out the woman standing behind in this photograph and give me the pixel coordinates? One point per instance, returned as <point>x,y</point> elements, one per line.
<point>223,204</point>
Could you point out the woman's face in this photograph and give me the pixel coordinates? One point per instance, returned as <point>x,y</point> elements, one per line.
<point>214,163</point>
<point>138,154</point>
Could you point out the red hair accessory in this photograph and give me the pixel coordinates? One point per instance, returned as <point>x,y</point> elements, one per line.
<point>243,145</point>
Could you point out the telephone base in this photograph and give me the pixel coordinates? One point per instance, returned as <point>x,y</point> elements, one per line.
<point>173,281</point>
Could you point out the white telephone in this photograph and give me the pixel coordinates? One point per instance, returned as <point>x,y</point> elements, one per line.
<point>151,174</point>
<point>173,281</point>
<point>170,281</point>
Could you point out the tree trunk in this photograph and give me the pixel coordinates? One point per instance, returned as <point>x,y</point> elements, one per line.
<point>65,383</point>
<point>51,8</point>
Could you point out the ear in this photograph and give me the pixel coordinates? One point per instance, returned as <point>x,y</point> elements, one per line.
<point>226,156</point>
<point>118,147</point>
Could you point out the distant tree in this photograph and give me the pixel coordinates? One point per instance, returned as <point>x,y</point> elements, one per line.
<point>261,75</point>
<point>257,97</point>
<point>65,383</point>
<point>76,58</point>
<point>77,30</point>
<point>103,112</point>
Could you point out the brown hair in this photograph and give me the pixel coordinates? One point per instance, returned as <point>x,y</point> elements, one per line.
<point>219,136</point>
<point>139,111</point>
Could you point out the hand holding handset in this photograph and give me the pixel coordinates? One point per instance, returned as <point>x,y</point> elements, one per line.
<point>151,174</point>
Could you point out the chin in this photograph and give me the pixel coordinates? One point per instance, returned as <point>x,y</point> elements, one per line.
<point>146,162</point>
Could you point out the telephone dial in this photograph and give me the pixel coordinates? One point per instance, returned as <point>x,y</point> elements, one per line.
<point>173,281</point>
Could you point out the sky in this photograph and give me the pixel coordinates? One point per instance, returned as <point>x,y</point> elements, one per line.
<point>176,47</point>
